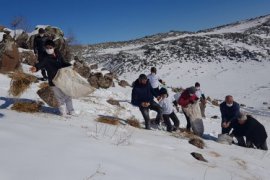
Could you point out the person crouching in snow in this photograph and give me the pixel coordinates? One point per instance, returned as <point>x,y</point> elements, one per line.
<point>252,129</point>
<point>166,104</point>
<point>187,97</point>
<point>52,62</point>
<point>143,97</point>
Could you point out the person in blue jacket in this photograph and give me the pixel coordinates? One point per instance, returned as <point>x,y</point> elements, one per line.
<point>229,112</point>
<point>143,97</point>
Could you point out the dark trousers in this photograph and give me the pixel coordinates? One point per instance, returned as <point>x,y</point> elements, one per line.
<point>262,146</point>
<point>43,71</point>
<point>176,122</point>
<point>188,121</point>
<point>156,90</point>
<point>145,112</point>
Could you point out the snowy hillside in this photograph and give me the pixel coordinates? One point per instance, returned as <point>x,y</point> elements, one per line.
<point>243,41</point>
<point>44,146</point>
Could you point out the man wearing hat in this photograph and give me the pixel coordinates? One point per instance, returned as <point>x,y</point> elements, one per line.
<point>143,97</point>
<point>39,49</point>
<point>186,98</point>
<point>252,129</point>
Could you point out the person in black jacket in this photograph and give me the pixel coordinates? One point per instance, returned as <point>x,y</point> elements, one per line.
<point>143,97</point>
<point>253,130</point>
<point>52,62</point>
<point>39,49</point>
<point>229,111</point>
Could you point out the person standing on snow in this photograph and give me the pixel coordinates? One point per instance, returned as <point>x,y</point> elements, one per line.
<point>229,111</point>
<point>143,97</point>
<point>166,104</point>
<point>39,49</point>
<point>188,97</point>
<point>202,98</point>
<point>52,62</point>
<point>155,80</point>
<point>252,129</point>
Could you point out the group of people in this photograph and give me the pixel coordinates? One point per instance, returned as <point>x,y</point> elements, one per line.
<point>146,89</point>
<point>247,130</point>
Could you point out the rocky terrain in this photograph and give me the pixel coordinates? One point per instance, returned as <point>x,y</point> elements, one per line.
<point>247,40</point>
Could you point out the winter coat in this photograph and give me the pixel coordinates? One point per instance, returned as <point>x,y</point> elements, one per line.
<point>142,93</point>
<point>52,64</point>
<point>154,80</point>
<point>229,114</point>
<point>253,130</point>
<point>39,44</point>
<point>185,99</point>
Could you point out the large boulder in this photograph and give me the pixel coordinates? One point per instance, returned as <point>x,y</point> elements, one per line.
<point>123,83</point>
<point>82,69</point>
<point>9,55</point>
<point>98,80</point>
<point>57,36</point>
<point>21,40</point>
<point>28,57</point>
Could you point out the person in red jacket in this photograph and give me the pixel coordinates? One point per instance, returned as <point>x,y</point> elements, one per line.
<point>186,98</point>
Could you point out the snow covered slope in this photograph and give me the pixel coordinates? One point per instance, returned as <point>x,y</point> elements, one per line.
<point>45,146</point>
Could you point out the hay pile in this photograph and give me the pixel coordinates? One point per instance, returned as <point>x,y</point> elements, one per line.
<point>30,107</point>
<point>198,142</point>
<point>43,85</point>
<point>134,122</point>
<point>108,120</point>
<point>20,82</point>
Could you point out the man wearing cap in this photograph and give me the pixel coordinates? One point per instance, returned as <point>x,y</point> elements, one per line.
<point>52,62</point>
<point>143,97</point>
<point>252,129</point>
<point>39,49</point>
<point>229,111</point>
<point>186,98</point>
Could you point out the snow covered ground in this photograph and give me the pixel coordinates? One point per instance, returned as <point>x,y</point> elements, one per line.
<point>44,146</point>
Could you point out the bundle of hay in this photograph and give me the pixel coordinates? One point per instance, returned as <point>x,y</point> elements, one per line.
<point>134,122</point>
<point>108,120</point>
<point>198,142</point>
<point>20,82</point>
<point>30,107</point>
<point>113,102</point>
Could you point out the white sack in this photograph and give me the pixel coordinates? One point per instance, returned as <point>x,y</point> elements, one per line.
<point>71,83</point>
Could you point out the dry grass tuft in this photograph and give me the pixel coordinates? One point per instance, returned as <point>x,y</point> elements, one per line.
<point>30,107</point>
<point>43,85</point>
<point>134,122</point>
<point>20,82</point>
<point>108,120</point>
<point>198,142</point>
<point>113,102</point>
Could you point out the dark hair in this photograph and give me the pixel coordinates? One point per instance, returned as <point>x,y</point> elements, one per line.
<point>142,77</point>
<point>197,84</point>
<point>153,70</point>
<point>49,43</point>
<point>191,90</point>
<point>41,31</point>
<point>163,91</point>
